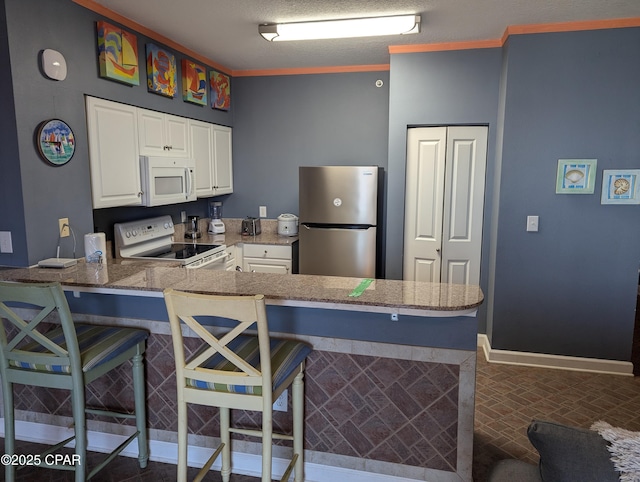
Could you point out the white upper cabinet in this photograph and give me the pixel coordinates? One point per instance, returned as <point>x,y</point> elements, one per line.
<point>163,134</point>
<point>211,149</point>
<point>113,153</point>
<point>119,134</point>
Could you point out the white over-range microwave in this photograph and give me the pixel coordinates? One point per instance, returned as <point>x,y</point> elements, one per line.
<point>167,180</point>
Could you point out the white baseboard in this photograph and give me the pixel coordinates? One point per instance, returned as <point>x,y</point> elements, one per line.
<point>560,362</point>
<point>166,452</point>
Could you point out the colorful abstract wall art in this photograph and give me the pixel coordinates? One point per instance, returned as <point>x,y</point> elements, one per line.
<point>194,82</point>
<point>118,54</point>
<point>161,71</point>
<point>220,90</point>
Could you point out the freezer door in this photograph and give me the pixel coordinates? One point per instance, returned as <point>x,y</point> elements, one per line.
<point>337,251</point>
<point>338,194</point>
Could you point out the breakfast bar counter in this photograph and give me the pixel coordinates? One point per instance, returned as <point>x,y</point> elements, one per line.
<point>389,296</point>
<point>389,386</point>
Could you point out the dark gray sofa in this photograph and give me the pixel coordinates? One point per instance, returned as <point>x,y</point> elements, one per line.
<point>567,454</point>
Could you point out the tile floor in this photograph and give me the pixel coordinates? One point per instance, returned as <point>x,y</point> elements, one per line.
<point>507,399</point>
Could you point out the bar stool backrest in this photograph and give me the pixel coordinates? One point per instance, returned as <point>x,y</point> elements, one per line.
<point>49,299</point>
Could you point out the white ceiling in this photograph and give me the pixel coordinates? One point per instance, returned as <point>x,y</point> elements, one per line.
<point>226,31</point>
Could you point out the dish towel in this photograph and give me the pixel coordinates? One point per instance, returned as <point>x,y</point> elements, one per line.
<point>624,450</point>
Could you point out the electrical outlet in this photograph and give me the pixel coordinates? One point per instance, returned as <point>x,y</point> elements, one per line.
<point>263,211</point>
<point>63,226</point>
<point>280,404</point>
<point>6,246</point>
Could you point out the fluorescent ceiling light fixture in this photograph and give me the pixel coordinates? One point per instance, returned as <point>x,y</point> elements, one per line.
<point>346,28</point>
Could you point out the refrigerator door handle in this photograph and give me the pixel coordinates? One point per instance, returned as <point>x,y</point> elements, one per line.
<point>337,226</point>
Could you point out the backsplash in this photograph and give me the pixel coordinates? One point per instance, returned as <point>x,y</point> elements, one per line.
<point>232,226</point>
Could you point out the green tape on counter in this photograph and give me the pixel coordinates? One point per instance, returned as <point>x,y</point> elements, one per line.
<point>364,284</point>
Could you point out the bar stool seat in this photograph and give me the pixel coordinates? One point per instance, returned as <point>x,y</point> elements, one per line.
<point>236,370</point>
<point>69,357</point>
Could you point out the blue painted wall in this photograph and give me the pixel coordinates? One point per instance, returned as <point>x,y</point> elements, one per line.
<point>283,122</point>
<point>439,88</point>
<point>10,185</point>
<point>570,288</point>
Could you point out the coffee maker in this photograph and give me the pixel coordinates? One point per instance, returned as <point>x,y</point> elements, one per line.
<point>216,226</point>
<point>192,230</point>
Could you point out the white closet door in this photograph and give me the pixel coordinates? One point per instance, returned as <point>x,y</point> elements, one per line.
<point>463,204</point>
<point>444,204</point>
<point>426,150</point>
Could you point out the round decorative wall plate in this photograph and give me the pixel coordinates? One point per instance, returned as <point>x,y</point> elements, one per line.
<point>56,142</point>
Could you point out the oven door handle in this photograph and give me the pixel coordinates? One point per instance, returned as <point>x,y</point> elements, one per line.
<point>218,259</point>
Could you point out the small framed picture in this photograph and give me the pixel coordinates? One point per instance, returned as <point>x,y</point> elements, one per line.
<point>576,176</point>
<point>620,186</point>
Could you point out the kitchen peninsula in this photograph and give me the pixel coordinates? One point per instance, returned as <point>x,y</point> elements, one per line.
<point>389,387</point>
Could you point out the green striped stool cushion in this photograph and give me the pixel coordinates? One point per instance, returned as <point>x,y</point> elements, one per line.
<point>286,356</point>
<point>97,344</point>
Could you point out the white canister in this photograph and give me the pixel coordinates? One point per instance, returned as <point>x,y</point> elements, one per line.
<point>288,225</point>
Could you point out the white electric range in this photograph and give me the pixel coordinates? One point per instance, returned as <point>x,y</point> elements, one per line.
<point>152,239</point>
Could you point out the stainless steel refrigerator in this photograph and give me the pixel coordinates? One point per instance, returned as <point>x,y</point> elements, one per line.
<point>338,210</point>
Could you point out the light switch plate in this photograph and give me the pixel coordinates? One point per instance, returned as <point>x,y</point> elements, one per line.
<point>263,211</point>
<point>532,224</point>
<point>6,246</point>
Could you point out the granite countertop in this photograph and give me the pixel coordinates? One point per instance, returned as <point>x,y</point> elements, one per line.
<point>149,278</point>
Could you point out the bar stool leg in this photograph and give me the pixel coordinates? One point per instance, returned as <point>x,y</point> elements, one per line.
<point>182,440</point>
<point>79,427</point>
<point>9,429</point>
<point>141,410</point>
<point>267,441</point>
<point>225,438</point>
<point>297,393</point>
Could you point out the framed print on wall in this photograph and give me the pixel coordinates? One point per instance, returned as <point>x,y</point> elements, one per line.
<point>194,82</point>
<point>220,90</point>
<point>161,71</point>
<point>118,54</point>
<point>620,186</point>
<point>576,176</point>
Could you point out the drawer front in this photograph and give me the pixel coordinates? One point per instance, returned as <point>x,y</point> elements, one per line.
<point>259,265</point>
<point>269,251</point>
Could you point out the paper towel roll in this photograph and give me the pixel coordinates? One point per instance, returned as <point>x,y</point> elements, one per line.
<point>95,247</point>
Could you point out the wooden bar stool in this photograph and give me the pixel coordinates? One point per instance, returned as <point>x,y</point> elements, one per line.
<point>238,371</point>
<point>68,357</point>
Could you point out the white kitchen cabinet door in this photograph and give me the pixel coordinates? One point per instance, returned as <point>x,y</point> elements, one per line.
<point>444,204</point>
<point>223,174</point>
<point>113,153</point>
<point>211,149</point>
<point>201,137</point>
<point>163,135</point>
